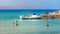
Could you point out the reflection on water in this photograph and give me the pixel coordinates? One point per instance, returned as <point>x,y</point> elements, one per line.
<point>31,20</point>
<point>30,27</point>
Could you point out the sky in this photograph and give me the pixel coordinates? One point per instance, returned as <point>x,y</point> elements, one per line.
<point>29,4</point>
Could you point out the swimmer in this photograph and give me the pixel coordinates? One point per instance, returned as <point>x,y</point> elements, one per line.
<point>47,24</point>
<point>13,24</point>
<point>16,23</point>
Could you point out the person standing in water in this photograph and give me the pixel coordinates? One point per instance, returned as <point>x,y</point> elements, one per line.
<point>13,24</point>
<point>16,23</point>
<point>47,24</point>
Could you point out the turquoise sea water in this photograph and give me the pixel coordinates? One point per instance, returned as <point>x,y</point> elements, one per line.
<point>26,26</point>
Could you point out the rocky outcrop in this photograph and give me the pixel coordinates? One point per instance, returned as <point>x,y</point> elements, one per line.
<point>55,14</point>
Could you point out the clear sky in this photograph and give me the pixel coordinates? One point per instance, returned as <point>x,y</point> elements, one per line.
<point>29,4</point>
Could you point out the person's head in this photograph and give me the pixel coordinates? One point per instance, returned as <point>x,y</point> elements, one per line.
<point>13,22</point>
<point>16,21</point>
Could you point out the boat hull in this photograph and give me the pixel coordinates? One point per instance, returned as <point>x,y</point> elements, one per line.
<point>31,18</point>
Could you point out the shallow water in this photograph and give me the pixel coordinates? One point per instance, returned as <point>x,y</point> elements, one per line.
<point>7,17</point>
<point>30,27</point>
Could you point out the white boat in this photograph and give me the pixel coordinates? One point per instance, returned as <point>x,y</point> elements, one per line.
<point>31,16</point>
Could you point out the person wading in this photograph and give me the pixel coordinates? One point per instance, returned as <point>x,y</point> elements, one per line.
<point>16,23</point>
<point>47,24</point>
